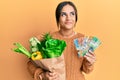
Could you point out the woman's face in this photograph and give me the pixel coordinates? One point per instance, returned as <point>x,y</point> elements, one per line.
<point>67,18</point>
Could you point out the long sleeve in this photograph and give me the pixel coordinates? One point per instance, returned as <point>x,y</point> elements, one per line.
<point>87,67</point>
<point>34,71</point>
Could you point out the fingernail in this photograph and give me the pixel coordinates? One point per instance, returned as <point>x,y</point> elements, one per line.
<point>90,51</point>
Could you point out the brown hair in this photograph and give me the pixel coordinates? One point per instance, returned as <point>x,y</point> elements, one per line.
<point>59,8</point>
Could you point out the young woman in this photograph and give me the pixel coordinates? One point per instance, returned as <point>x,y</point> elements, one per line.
<point>66,17</point>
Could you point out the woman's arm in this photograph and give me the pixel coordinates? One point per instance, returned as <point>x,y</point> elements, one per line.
<point>39,74</point>
<point>88,62</point>
<point>34,71</point>
<point>87,67</point>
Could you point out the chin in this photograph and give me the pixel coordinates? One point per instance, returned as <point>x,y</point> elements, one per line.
<point>69,26</point>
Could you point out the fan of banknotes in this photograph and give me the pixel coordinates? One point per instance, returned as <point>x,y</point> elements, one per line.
<point>88,43</point>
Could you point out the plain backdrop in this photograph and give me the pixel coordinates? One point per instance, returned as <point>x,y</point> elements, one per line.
<point>22,19</point>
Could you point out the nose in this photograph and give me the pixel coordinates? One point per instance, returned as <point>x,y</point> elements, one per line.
<point>68,17</point>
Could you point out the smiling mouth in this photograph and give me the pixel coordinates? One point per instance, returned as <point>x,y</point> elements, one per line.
<point>68,22</point>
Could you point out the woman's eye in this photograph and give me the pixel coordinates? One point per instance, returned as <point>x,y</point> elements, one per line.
<point>63,14</point>
<point>72,13</point>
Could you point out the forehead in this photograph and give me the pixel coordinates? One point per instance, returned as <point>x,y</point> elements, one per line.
<point>67,8</point>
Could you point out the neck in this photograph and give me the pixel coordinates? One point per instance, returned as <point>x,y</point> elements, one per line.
<point>67,33</point>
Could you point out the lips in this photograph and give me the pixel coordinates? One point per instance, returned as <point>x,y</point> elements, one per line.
<point>68,22</point>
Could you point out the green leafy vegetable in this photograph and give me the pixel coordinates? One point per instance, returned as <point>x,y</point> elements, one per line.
<point>21,49</point>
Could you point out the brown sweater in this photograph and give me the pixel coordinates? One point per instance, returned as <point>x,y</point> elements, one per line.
<point>74,65</point>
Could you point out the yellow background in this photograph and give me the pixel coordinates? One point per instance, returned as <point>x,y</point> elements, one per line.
<point>22,19</point>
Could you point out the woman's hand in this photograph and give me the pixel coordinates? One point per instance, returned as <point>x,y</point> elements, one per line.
<point>50,76</point>
<point>90,57</point>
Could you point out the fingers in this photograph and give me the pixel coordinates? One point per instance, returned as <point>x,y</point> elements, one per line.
<point>91,52</point>
<point>90,57</point>
<point>52,76</point>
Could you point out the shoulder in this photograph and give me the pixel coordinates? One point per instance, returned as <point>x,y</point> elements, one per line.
<point>55,34</point>
<point>40,36</point>
<point>78,35</point>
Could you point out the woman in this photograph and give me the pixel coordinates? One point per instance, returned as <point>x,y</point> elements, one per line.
<point>66,17</point>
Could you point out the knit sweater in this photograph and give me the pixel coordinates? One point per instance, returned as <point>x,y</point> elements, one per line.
<point>75,66</point>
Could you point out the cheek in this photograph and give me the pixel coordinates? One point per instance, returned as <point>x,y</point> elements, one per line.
<point>74,19</point>
<point>62,20</point>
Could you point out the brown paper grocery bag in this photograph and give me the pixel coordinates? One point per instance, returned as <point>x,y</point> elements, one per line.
<point>53,65</point>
